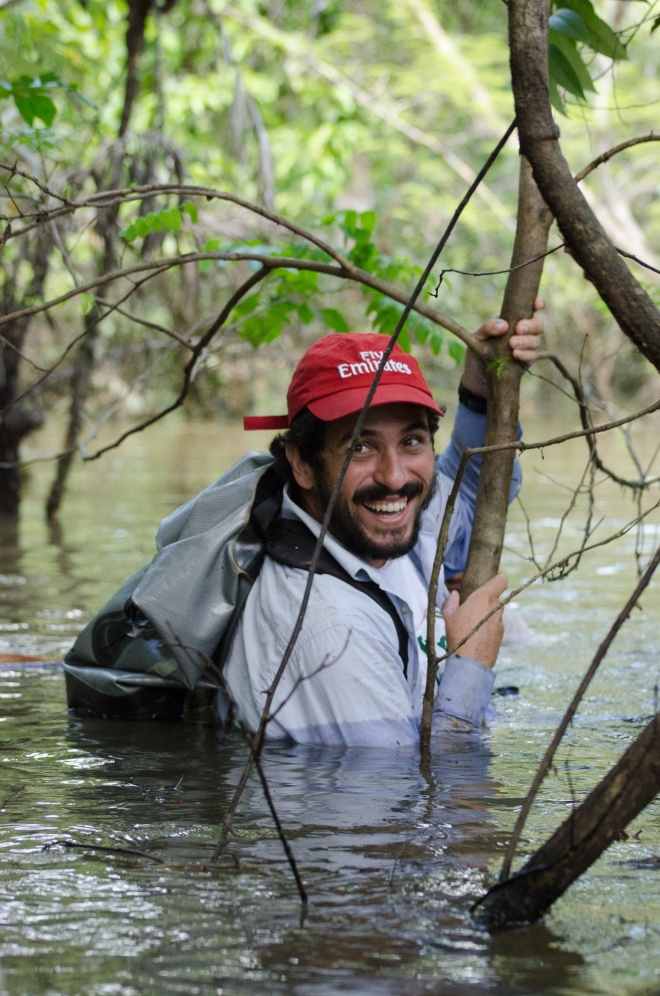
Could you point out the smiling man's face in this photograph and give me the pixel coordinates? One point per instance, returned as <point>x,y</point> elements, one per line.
<point>388,483</point>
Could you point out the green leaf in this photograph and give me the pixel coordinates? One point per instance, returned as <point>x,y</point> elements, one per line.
<point>334,320</point>
<point>601,37</point>
<point>404,340</point>
<point>570,24</point>
<point>555,97</point>
<point>573,57</point>
<point>86,303</point>
<point>563,73</point>
<point>191,211</point>
<point>248,304</point>
<point>497,366</point>
<point>35,105</point>
<point>150,223</point>
<point>305,313</point>
<point>457,350</point>
<point>368,221</point>
<point>172,219</point>
<point>349,222</point>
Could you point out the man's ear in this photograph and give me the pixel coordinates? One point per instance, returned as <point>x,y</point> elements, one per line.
<point>302,472</point>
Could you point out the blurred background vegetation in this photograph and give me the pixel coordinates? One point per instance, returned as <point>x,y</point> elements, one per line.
<point>363,122</point>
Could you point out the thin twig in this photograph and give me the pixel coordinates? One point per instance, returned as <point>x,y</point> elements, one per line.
<point>585,419</point>
<point>280,829</point>
<point>190,368</point>
<point>606,156</point>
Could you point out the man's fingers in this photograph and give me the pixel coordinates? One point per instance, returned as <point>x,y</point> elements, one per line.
<point>525,348</point>
<point>493,327</point>
<point>495,586</point>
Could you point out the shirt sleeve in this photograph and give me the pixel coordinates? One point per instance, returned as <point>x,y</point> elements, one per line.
<point>463,699</point>
<point>469,431</point>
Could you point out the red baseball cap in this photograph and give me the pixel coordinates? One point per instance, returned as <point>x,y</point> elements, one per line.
<point>334,376</point>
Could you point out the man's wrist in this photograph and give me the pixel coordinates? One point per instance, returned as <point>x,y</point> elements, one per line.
<point>470,400</point>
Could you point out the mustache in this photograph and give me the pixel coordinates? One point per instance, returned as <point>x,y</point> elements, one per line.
<point>378,492</point>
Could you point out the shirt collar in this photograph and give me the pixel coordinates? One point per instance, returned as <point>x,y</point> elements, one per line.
<point>355,566</point>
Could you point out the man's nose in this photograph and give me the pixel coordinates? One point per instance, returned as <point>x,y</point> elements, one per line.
<point>389,470</point>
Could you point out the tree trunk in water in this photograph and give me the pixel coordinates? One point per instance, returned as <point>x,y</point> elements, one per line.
<point>18,417</point>
<point>630,786</point>
<point>84,364</point>
<point>629,303</point>
<point>503,385</point>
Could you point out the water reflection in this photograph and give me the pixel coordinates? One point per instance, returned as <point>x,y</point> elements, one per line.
<point>392,855</point>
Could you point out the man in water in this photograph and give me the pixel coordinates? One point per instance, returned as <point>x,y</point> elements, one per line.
<point>351,680</point>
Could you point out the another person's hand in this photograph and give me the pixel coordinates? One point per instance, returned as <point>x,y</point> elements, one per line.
<point>460,620</point>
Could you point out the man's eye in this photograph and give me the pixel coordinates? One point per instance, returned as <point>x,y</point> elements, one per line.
<point>360,448</point>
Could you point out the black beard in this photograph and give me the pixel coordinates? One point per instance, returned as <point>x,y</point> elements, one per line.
<point>350,533</point>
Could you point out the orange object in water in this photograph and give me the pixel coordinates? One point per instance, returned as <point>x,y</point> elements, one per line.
<point>26,659</point>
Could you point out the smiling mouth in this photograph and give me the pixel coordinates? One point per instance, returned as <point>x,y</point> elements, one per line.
<point>387,507</point>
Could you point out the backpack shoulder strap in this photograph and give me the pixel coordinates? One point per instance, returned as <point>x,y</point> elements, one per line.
<point>290,542</point>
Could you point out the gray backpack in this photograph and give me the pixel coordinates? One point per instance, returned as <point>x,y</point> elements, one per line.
<point>156,649</point>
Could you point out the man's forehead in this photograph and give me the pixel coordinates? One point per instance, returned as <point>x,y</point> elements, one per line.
<point>400,417</point>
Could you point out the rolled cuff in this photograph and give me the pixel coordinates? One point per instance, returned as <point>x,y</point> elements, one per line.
<point>465,690</point>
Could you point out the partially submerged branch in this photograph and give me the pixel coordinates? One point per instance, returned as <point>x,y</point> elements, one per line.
<point>572,709</point>
<point>624,792</point>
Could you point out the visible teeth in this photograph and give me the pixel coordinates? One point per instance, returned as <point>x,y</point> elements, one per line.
<point>387,506</point>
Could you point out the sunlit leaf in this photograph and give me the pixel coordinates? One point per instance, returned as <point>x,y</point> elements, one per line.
<point>172,219</point>
<point>191,211</point>
<point>368,220</point>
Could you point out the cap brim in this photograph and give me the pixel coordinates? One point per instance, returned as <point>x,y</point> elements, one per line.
<point>342,403</point>
<point>251,422</point>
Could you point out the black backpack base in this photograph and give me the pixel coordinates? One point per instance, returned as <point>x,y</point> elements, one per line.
<point>133,696</point>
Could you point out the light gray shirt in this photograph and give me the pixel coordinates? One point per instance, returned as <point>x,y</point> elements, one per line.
<point>344,683</point>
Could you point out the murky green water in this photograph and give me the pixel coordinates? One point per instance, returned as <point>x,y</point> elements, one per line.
<point>392,857</point>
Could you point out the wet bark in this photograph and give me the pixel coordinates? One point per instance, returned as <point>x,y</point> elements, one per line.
<point>629,303</point>
<point>630,786</point>
<point>502,377</point>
